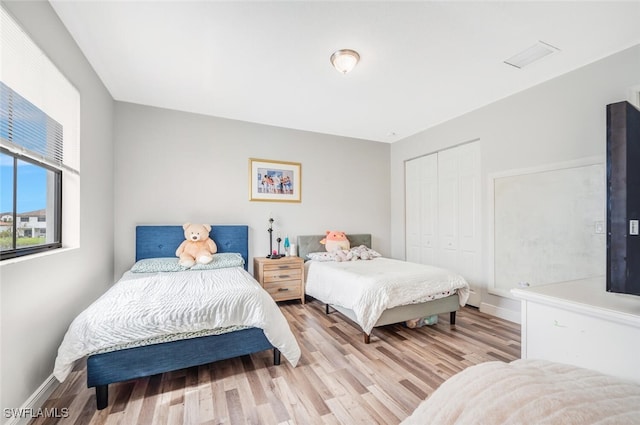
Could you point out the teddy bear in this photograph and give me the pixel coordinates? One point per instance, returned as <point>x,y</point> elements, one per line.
<point>335,241</point>
<point>197,247</point>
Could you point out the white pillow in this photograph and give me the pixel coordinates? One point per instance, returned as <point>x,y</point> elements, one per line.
<point>321,256</point>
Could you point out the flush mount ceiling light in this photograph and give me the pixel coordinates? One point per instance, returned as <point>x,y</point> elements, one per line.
<point>344,60</point>
<point>531,54</point>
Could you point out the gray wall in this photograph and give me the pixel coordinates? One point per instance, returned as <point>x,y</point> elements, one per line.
<point>174,167</point>
<point>41,296</point>
<point>560,120</point>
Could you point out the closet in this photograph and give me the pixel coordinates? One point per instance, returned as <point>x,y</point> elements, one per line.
<point>442,210</point>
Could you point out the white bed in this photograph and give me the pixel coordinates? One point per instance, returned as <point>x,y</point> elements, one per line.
<point>381,291</point>
<point>536,392</point>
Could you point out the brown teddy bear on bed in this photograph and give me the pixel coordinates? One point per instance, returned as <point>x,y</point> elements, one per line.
<point>198,247</point>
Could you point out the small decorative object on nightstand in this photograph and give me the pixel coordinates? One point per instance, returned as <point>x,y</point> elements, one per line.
<point>272,253</point>
<point>282,278</point>
<point>286,246</point>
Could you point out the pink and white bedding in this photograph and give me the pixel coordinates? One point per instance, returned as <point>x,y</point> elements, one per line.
<point>142,306</point>
<point>530,392</point>
<point>368,287</point>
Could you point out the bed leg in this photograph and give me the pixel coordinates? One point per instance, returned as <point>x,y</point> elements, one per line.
<point>326,309</point>
<point>102,396</point>
<point>366,338</point>
<point>452,318</point>
<point>276,356</point>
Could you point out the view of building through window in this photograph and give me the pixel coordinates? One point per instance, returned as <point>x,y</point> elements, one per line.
<point>30,202</point>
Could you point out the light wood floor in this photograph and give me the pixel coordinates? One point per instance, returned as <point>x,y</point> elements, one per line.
<point>339,379</point>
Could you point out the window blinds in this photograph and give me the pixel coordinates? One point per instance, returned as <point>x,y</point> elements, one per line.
<point>26,129</point>
<point>39,108</point>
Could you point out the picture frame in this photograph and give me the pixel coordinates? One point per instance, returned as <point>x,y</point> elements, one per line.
<point>275,181</point>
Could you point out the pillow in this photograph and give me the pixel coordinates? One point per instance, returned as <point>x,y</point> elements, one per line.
<point>357,253</point>
<point>321,256</point>
<point>155,265</point>
<point>221,260</point>
<point>170,264</point>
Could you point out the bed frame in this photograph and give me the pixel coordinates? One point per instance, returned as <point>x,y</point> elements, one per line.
<point>450,304</point>
<point>132,363</point>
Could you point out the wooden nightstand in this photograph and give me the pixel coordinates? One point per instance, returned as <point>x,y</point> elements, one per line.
<point>282,278</point>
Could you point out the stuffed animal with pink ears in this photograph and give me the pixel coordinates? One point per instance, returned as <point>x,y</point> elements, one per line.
<point>335,240</point>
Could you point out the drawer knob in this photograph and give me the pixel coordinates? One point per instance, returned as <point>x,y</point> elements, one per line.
<point>283,289</point>
<point>284,276</point>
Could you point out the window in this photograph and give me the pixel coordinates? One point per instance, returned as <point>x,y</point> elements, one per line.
<point>31,192</point>
<point>30,206</point>
<point>39,149</point>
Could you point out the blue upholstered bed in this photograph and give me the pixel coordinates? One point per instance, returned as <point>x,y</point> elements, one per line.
<point>122,365</point>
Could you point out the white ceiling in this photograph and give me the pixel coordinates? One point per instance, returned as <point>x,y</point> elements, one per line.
<point>267,62</point>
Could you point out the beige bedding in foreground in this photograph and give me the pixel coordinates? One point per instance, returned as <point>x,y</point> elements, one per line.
<point>530,392</point>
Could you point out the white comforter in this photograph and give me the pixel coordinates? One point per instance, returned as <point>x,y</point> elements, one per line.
<point>536,392</point>
<point>146,305</point>
<point>368,287</point>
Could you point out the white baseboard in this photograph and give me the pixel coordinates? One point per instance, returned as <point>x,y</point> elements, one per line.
<point>503,313</point>
<point>34,402</point>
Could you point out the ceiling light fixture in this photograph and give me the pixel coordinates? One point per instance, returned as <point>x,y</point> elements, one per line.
<point>344,60</point>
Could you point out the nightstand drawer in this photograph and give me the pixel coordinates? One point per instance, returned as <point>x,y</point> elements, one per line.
<point>285,290</point>
<point>282,274</point>
<point>281,266</point>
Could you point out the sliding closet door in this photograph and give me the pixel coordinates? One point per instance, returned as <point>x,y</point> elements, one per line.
<point>468,261</point>
<point>443,212</point>
<point>421,208</point>
<point>412,210</point>
<point>448,209</point>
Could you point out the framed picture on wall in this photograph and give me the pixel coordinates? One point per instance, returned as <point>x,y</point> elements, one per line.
<point>274,181</point>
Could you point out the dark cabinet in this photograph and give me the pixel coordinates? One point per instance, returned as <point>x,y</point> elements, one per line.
<point>623,198</point>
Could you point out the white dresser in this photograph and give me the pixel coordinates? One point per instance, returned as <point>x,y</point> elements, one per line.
<point>579,323</point>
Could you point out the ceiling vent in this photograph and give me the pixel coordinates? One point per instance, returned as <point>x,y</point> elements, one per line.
<point>532,54</point>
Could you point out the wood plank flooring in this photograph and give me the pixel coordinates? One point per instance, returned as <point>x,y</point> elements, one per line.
<point>339,379</point>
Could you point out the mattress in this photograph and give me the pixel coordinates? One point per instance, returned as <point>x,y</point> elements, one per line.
<point>169,338</point>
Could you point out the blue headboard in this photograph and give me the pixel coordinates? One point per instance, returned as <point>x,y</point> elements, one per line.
<point>162,241</point>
